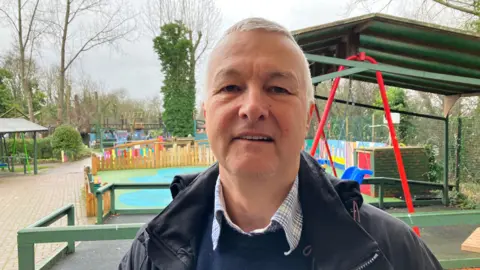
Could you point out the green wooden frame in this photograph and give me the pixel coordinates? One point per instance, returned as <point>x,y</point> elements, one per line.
<point>101,216</point>
<point>28,237</point>
<point>38,233</point>
<point>362,66</point>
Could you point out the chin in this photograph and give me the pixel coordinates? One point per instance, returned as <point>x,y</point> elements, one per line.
<point>251,167</point>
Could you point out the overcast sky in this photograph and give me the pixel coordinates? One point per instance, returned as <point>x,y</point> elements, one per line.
<point>136,67</point>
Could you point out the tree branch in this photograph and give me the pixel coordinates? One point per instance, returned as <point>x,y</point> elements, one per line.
<point>105,35</point>
<point>32,18</point>
<point>386,6</point>
<point>199,55</point>
<point>87,7</point>
<point>459,8</point>
<point>12,21</point>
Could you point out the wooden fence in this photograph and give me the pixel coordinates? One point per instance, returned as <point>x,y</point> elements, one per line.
<point>164,155</point>
<point>90,198</point>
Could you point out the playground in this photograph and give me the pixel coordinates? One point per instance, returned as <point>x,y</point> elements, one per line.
<point>131,199</point>
<point>128,182</point>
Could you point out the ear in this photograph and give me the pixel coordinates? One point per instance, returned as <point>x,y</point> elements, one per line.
<point>204,111</point>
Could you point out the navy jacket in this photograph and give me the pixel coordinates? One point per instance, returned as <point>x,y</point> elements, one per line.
<point>375,241</point>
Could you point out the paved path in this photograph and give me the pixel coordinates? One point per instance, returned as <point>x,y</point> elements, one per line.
<point>25,199</point>
<point>94,255</point>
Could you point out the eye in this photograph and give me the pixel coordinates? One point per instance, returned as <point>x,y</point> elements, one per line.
<point>230,88</point>
<point>278,90</point>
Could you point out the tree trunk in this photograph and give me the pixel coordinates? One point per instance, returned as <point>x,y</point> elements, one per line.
<point>23,77</point>
<point>77,111</point>
<point>61,87</point>
<point>67,103</point>
<point>29,94</point>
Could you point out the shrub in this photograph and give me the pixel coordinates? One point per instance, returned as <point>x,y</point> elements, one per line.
<point>44,147</point>
<point>68,139</point>
<point>84,152</point>
<point>461,200</point>
<point>435,170</point>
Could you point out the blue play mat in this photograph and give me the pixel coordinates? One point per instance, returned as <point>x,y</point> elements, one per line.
<point>147,198</point>
<point>155,198</point>
<point>166,175</point>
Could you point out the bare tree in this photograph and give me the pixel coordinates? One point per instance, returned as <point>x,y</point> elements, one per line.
<point>49,83</point>
<point>468,6</point>
<point>202,17</point>
<point>23,17</point>
<point>465,11</point>
<point>81,25</point>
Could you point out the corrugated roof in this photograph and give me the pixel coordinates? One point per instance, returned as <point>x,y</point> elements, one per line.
<point>12,125</point>
<point>398,42</point>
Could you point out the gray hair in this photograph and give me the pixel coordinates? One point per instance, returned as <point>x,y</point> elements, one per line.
<point>254,23</point>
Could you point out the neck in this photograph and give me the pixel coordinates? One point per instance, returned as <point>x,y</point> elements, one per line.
<point>251,202</point>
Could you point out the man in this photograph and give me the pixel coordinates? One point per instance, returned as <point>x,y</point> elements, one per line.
<point>266,204</point>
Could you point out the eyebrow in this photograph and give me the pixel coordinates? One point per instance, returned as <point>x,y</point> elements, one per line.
<point>232,72</point>
<point>282,75</point>
<point>226,72</point>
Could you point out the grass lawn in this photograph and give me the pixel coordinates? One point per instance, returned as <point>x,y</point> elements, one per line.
<point>19,168</point>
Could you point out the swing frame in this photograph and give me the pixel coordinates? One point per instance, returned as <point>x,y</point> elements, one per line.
<point>400,46</point>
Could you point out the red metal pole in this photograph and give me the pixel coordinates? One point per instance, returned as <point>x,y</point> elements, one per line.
<point>326,144</point>
<point>327,148</point>
<point>327,109</point>
<point>396,147</point>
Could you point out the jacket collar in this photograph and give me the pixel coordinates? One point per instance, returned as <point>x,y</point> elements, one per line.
<point>175,232</point>
<point>329,228</point>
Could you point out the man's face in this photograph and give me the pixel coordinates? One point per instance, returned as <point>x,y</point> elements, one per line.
<point>256,108</point>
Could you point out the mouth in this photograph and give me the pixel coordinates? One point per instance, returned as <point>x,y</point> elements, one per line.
<point>254,138</point>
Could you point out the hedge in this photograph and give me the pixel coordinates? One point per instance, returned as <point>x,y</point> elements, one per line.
<point>44,147</point>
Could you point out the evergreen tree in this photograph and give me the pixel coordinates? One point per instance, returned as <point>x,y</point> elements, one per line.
<point>6,97</point>
<point>172,47</point>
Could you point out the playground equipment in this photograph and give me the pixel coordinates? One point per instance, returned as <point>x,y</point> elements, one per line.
<point>142,148</point>
<point>363,57</point>
<point>356,174</point>
<point>14,126</point>
<point>155,153</point>
<point>10,160</point>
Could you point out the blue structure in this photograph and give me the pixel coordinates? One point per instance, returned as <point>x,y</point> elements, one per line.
<point>356,174</point>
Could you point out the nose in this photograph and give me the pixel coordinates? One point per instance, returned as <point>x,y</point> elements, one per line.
<point>254,105</point>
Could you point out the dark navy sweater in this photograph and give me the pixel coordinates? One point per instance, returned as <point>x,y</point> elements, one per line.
<point>237,251</point>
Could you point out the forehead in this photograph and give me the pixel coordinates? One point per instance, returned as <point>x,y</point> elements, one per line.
<point>268,51</point>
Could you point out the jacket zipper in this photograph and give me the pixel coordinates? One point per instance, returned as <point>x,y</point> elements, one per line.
<point>368,263</point>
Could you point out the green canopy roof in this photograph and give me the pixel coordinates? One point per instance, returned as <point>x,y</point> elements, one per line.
<point>403,43</point>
